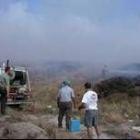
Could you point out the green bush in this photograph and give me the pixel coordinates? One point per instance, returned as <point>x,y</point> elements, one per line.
<point>133,92</point>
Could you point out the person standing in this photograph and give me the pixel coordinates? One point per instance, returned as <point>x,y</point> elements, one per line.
<point>104,72</point>
<point>89,102</point>
<point>4,88</point>
<point>65,98</point>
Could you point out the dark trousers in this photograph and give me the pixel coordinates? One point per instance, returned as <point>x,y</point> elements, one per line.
<point>65,109</point>
<point>3,99</point>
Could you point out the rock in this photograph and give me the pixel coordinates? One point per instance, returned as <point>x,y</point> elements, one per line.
<point>49,107</point>
<point>53,120</point>
<point>31,118</point>
<point>24,130</point>
<point>106,136</point>
<point>131,121</point>
<point>4,118</point>
<point>54,110</point>
<point>126,115</point>
<point>2,132</point>
<point>46,117</point>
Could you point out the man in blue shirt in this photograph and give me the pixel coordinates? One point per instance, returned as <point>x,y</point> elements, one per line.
<point>64,101</point>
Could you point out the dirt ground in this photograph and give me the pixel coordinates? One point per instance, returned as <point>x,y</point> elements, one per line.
<point>78,135</point>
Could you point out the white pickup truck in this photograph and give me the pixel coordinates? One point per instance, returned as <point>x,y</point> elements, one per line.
<point>20,90</point>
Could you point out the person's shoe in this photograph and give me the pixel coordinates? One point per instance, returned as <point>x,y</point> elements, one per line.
<point>98,136</point>
<point>67,130</point>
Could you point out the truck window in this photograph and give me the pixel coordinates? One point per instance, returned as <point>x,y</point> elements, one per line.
<point>19,79</point>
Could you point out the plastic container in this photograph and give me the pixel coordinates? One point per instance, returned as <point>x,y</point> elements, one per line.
<point>74,125</point>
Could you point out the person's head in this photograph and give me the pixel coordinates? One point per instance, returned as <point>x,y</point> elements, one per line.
<point>67,82</point>
<point>87,85</point>
<point>8,70</point>
<point>62,85</point>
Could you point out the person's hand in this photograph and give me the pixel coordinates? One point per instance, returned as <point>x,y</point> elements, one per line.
<point>74,106</point>
<point>79,108</point>
<point>8,95</point>
<point>58,105</point>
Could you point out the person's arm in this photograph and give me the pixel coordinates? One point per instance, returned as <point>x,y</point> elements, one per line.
<point>7,86</point>
<point>58,102</point>
<point>97,98</point>
<point>73,98</point>
<point>8,90</point>
<point>84,102</point>
<point>58,99</point>
<point>82,106</point>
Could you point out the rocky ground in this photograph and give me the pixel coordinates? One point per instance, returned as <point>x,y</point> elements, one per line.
<point>78,135</point>
<point>40,127</point>
<point>22,125</point>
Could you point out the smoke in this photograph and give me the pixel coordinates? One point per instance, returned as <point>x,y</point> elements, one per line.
<point>47,35</point>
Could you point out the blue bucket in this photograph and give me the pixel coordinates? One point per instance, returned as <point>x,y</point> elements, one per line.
<point>75,125</point>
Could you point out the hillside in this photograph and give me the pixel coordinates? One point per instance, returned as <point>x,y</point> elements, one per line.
<point>132,67</point>
<point>59,69</point>
<point>129,71</point>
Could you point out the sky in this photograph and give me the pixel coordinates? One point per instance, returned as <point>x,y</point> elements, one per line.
<point>99,31</point>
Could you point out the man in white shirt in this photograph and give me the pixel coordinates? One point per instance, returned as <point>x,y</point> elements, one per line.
<point>89,102</point>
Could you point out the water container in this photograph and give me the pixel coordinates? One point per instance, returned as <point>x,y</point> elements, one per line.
<point>74,125</point>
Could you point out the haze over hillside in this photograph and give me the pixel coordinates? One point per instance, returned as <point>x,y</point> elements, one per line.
<point>99,31</point>
<point>70,37</point>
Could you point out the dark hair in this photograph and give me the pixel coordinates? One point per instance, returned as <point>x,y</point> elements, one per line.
<point>7,69</point>
<point>87,85</point>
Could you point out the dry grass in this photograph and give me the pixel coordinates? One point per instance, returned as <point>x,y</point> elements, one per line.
<point>135,135</point>
<point>45,94</point>
<point>121,133</point>
<point>118,109</point>
<point>115,109</point>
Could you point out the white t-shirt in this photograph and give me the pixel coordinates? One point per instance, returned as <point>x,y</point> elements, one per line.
<point>90,99</point>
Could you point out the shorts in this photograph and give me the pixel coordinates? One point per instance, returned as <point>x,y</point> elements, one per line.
<point>91,118</point>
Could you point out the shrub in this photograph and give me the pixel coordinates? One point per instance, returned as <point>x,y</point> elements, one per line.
<point>115,85</point>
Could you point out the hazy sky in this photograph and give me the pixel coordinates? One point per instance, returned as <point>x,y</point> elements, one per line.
<point>81,30</point>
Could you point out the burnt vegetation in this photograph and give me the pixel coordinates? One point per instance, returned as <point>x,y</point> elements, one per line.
<point>120,85</point>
